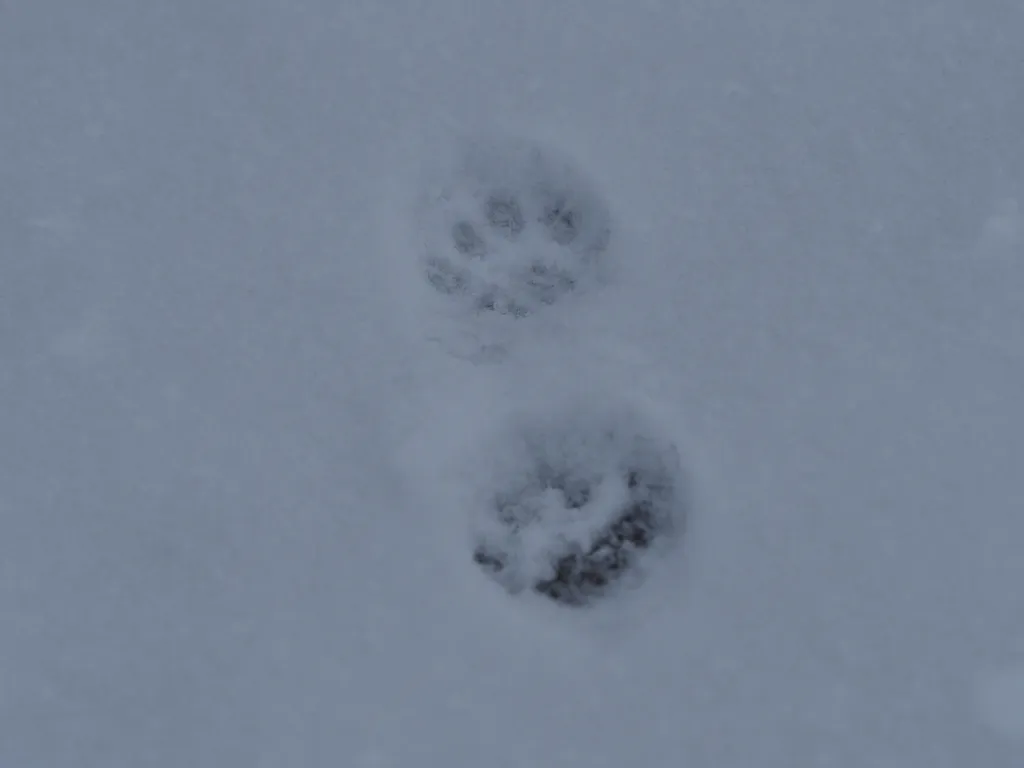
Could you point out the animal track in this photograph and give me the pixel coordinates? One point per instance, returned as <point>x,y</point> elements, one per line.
<point>585,505</point>
<point>513,229</point>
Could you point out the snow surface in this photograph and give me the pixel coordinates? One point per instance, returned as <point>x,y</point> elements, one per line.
<point>233,419</point>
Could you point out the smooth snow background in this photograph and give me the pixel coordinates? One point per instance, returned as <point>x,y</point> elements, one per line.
<point>220,544</point>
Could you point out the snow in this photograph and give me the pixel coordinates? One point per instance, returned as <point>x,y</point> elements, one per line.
<point>1001,701</point>
<point>241,435</point>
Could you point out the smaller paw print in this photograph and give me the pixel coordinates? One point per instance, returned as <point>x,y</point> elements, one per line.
<point>522,233</point>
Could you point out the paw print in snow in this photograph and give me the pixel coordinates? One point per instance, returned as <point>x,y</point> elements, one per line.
<point>513,228</point>
<point>583,505</point>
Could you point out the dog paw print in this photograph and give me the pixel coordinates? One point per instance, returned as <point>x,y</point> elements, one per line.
<point>584,507</point>
<point>514,228</point>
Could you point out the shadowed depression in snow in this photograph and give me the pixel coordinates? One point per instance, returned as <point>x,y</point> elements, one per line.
<point>583,500</point>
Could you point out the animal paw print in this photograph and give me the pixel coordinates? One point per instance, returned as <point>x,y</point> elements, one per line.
<point>581,513</point>
<point>515,228</point>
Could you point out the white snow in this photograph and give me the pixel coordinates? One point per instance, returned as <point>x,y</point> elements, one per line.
<point>241,435</point>
<point>1001,702</point>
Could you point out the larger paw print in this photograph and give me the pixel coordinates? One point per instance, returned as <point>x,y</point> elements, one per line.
<point>513,228</point>
<point>585,502</point>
